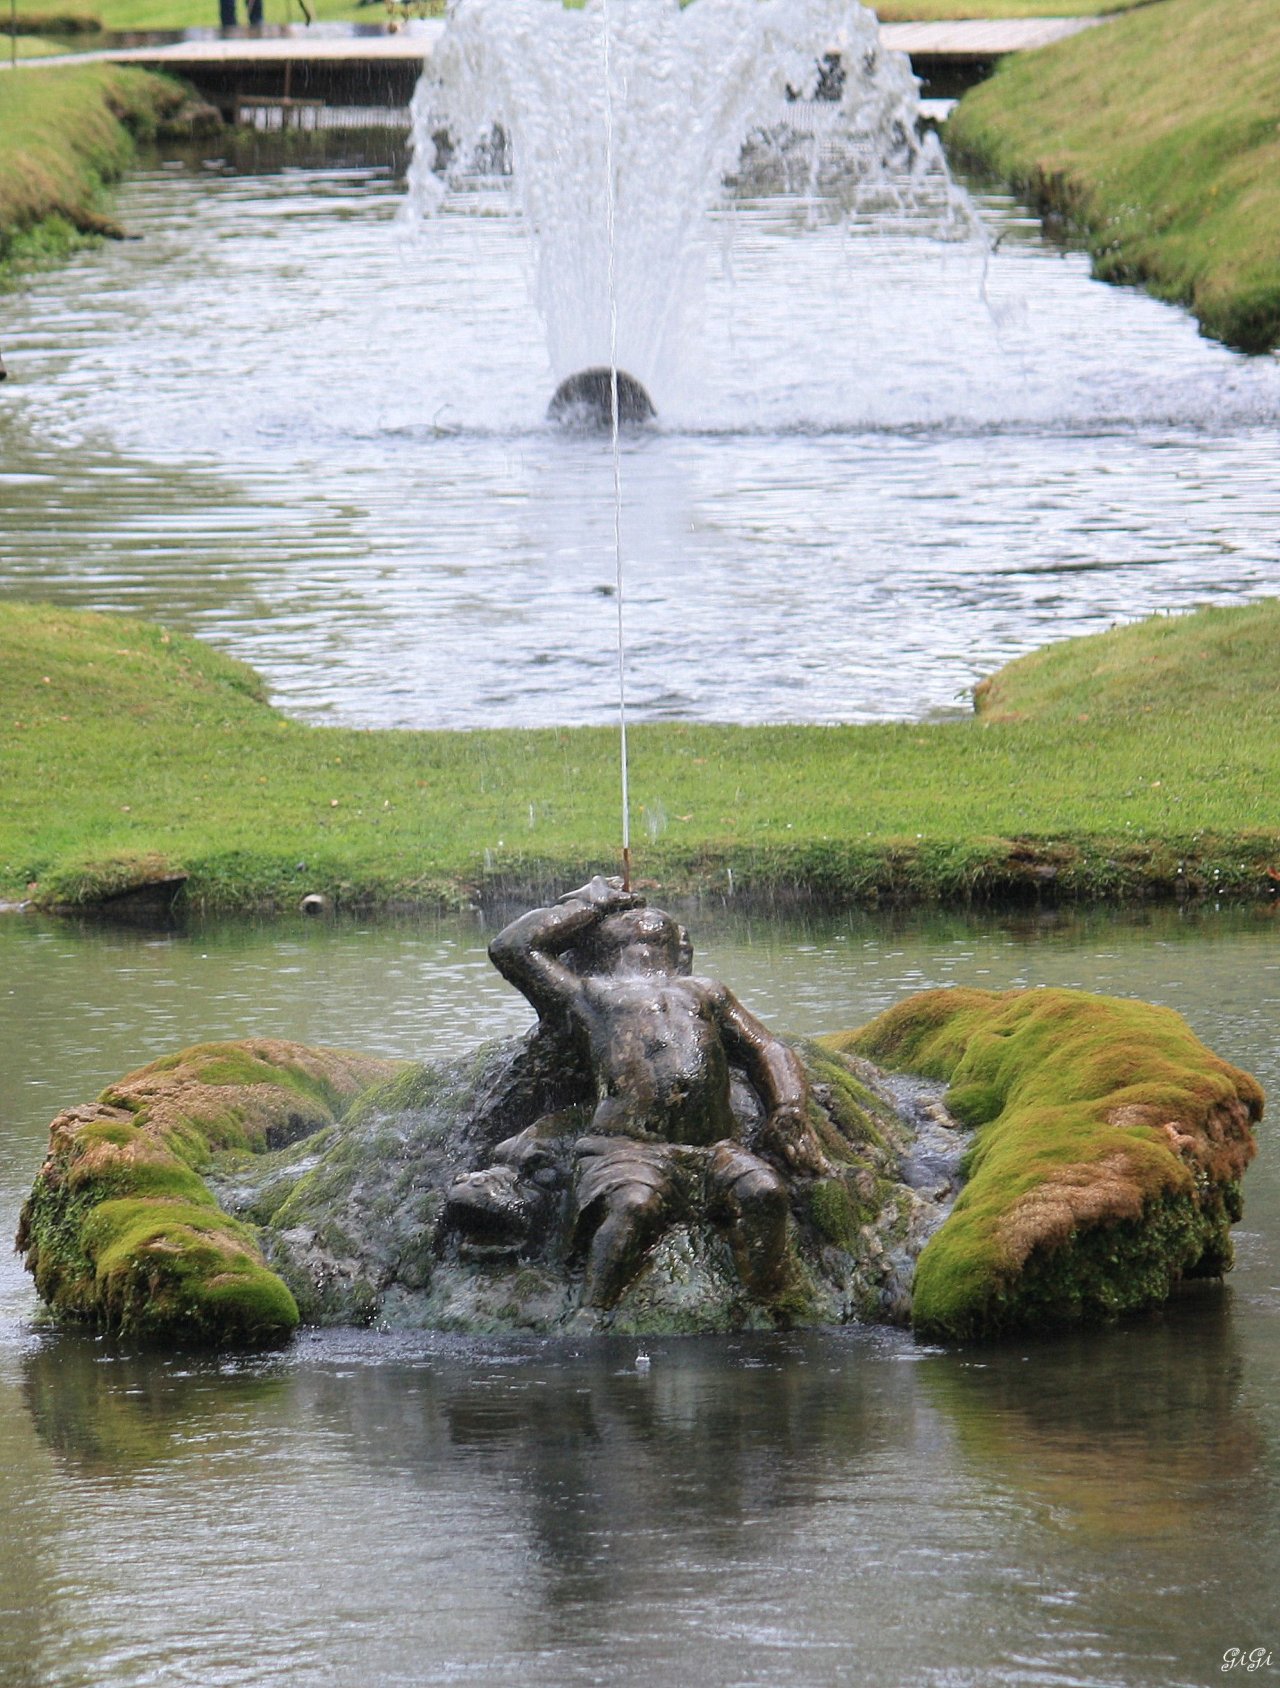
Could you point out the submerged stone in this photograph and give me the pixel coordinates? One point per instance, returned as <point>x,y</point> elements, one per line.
<point>585,400</point>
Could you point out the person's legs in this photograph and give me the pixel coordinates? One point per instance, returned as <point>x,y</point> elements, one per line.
<point>623,1191</point>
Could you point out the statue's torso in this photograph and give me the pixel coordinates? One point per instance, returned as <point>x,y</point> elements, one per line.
<point>658,1057</point>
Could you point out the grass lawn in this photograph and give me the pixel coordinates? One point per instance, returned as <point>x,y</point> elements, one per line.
<point>64,133</point>
<point>930,11</point>
<point>1159,138</point>
<point>181,14</point>
<point>1144,759</point>
<point>32,47</point>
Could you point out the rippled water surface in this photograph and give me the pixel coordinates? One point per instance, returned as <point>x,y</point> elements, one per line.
<point>282,421</point>
<point>826,1509</point>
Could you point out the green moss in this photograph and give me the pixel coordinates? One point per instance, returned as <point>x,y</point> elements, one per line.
<point>862,1120</point>
<point>797,1304</point>
<point>409,1091</point>
<point>1106,1161</point>
<point>121,1230</point>
<point>835,1212</point>
<point>185,1271</point>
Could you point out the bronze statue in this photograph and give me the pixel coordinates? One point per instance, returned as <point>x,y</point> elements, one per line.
<point>670,1128</point>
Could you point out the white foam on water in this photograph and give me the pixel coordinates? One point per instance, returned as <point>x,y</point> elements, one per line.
<point>712,95</point>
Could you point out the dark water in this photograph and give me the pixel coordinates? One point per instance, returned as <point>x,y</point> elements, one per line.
<point>804,1510</point>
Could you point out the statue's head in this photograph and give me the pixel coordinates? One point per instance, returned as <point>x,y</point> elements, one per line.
<point>635,940</point>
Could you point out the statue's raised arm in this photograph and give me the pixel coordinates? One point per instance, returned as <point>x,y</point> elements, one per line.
<point>527,952</point>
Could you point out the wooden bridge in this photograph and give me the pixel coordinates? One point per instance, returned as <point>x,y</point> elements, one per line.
<point>376,68</point>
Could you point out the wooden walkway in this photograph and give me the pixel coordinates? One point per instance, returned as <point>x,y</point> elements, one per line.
<point>381,69</point>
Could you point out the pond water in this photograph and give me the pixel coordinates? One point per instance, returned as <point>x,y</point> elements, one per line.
<point>834,1508</point>
<point>281,423</point>
<point>280,420</point>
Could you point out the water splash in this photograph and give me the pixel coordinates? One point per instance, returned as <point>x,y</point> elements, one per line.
<point>722,96</point>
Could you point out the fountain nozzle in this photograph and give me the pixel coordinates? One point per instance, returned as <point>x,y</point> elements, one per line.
<point>584,400</point>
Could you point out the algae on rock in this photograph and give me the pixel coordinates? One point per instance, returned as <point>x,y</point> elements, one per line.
<point>1106,1163</point>
<point>218,1196</point>
<point>120,1229</point>
<point>222,1194</point>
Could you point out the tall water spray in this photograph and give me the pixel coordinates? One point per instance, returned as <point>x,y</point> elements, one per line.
<point>756,92</point>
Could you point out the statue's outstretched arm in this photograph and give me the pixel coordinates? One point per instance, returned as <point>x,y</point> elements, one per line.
<point>526,951</point>
<point>774,1068</point>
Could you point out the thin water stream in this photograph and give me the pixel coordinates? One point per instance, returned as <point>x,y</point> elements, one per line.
<point>1098,1510</point>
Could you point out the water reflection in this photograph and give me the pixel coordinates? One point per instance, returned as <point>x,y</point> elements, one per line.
<point>1141,1433</point>
<point>809,1502</point>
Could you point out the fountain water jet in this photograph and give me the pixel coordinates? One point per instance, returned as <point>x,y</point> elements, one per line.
<point>749,91</point>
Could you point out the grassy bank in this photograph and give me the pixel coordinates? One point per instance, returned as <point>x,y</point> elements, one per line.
<point>64,134</point>
<point>1144,760</point>
<point>178,14</point>
<point>1157,137</point>
<point>932,11</point>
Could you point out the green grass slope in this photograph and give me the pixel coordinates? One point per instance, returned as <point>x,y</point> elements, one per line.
<point>1140,760</point>
<point>65,133</point>
<point>1158,136</point>
<point>1106,1161</point>
<point>937,11</point>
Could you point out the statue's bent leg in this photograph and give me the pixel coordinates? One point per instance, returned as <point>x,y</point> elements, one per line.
<point>749,1198</point>
<point>624,1192</point>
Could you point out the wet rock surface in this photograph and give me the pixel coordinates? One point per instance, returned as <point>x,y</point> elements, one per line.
<point>449,1198</point>
<point>650,1157</point>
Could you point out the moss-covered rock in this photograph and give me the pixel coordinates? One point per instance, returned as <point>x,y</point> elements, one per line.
<point>222,1194</point>
<point>122,1232</point>
<point>219,1195</point>
<point>1106,1163</point>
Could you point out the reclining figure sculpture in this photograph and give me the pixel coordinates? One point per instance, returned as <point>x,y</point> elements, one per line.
<point>697,1104</point>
